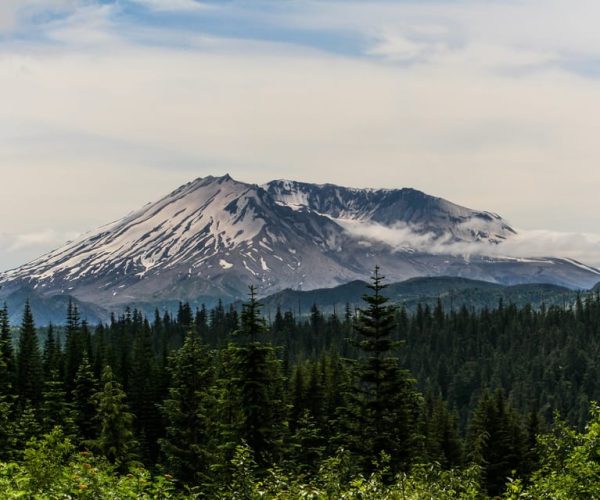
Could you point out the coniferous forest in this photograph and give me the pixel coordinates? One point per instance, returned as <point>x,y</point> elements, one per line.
<point>369,403</point>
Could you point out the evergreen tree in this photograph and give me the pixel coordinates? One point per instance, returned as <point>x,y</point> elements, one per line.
<point>307,444</point>
<point>382,406</point>
<point>52,356</point>
<point>115,440</point>
<point>190,442</point>
<point>143,395</point>
<point>442,438</point>
<point>7,428</point>
<point>30,372</point>
<point>27,426</point>
<point>55,410</point>
<point>74,346</point>
<point>86,386</point>
<point>258,391</point>
<point>7,357</point>
<point>496,441</point>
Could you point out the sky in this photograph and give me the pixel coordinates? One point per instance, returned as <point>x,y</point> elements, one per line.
<point>107,105</point>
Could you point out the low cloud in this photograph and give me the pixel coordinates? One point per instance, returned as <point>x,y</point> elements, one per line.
<point>582,247</point>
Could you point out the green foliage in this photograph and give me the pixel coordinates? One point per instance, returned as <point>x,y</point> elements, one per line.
<point>570,465</point>
<point>243,409</point>
<point>55,410</point>
<point>189,411</point>
<point>85,387</point>
<point>52,468</point>
<point>115,440</point>
<point>497,441</point>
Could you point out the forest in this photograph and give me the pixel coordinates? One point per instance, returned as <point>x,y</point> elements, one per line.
<point>375,402</point>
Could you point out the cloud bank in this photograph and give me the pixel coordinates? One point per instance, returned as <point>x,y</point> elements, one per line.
<point>526,244</point>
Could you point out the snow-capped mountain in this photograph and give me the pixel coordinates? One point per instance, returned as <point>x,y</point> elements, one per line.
<point>214,236</point>
<point>391,207</point>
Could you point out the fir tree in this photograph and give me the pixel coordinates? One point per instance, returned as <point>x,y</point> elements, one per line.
<point>442,438</point>
<point>307,444</point>
<point>52,356</point>
<point>190,445</point>
<point>55,410</point>
<point>115,440</point>
<point>7,357</point>
<point>144,393</point>
<point>86,386</point>
<point>383,402</point>
<point>27,426</point>
<point>258,391</point>
<point>74,346</point>
<point>30,372</point>
<point>496,441</point>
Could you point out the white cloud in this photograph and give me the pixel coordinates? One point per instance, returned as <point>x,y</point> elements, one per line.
<point>8,14</point>
<point>397,47</point>
<point>582,247</point>
<point>11,11</point>
<point>174,5</point>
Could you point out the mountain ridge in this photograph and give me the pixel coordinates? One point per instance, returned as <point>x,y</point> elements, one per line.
<point>214,236</point>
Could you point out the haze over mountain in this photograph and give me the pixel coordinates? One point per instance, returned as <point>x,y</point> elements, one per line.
<point>213,237</point>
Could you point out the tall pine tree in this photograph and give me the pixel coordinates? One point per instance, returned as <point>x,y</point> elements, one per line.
<point>381,414</point>
<point>30,371</point>
<point>258,391</point>
<point>189,411</point>
<point>116,440</point>
<point>7,357</point>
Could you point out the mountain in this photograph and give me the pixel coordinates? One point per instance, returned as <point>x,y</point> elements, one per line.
<point>391,207</point>
<point>213,237</point>
<point>452,292</point>
<point>48,309</point>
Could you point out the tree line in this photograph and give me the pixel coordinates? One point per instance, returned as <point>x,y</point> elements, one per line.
<point>217,399</point>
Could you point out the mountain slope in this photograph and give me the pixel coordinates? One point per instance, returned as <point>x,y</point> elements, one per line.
<point>213,237</point>
<point>391,207</point>
<point>452,292</point>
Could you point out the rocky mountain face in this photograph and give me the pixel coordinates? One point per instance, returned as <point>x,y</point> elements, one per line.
<point>213,237</point>
<point>392,207</point>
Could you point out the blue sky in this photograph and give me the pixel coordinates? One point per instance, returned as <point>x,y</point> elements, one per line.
<point>109,104</point>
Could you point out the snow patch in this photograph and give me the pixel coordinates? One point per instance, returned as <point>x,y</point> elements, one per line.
<point>224,264</point>
<point>264,265</point>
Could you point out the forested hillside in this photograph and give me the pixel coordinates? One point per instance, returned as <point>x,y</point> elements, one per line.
<point>379,402</point>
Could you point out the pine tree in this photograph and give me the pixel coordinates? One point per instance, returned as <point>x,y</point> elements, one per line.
<point>189,445</point>
<point>7,357</point>
<point>143,395</point>
<point>297,391</point>
<point>115,440</point>
<point>307,444</point>
<point>7,427</point>
<point>30,372</point>
<point>442,439</point>
<point>258,391</point>
<point>496,441</point>
<point>74,346</point>
<point>382,405</point>
<point>86,386</point>
<point>27,426</point>
<point>55,410</point>
<point>52,356</point>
